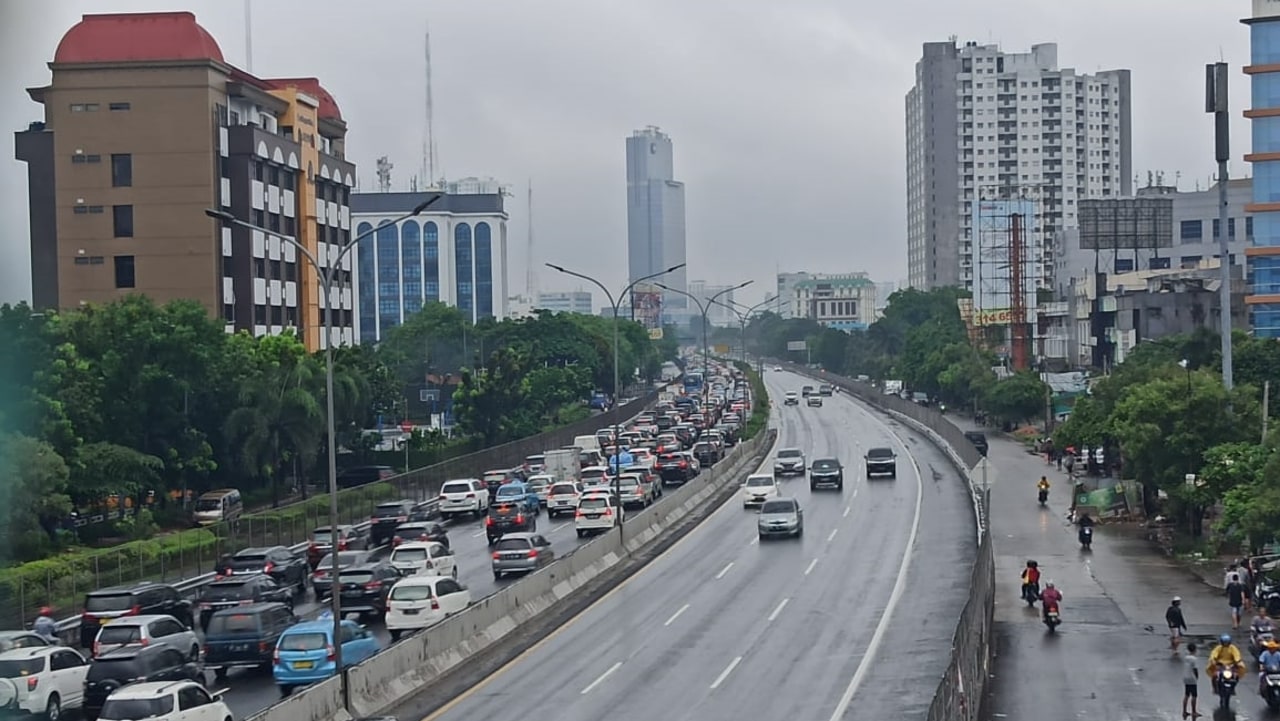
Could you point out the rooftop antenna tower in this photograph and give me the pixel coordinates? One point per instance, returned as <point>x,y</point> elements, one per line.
<point>248,37</point>
<point>530,278</point>
<point>384,174</point>
<point>429,139</point>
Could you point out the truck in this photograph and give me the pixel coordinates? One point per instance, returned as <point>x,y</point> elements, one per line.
<point>564,465</point>
<point>893,388</point>
<point>587,443</point>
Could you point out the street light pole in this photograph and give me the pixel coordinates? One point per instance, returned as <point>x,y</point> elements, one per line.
<point>705,307</point>
<point>744,317</point>
<point>616,303</point>
<point>325,274</point>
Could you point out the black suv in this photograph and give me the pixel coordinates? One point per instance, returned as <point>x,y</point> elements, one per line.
<point>707,453</point>
<point>122,666</point>
<point>979,441</point>
<point>321,578</point>
<point>826,472</point>
<point>365,587</point>
<point>238,590</point>
<point>385,518</point>
<point>277,562</point>
<point>139,599</point>
<point>674,468</point>
<point>508,518</point>
<point>245,636</point>
<point>420,531</point>
<point>881,462</point>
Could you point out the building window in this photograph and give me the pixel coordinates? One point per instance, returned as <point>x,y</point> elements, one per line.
<point>273,222</point>
<point>260,218</point>
<point>367,274</point>
<point>260,267</point>
<point>277,315</point>
<point>227,269</point>
<point>411,257</point>
<point>81,158</point>
<point>431,261</point>
<point>1248,228</point>
<point>84,107</point>
<point>273,175</point>
<point>95,210</point>
<point>259,315</point>
<point>122,221</point>
<point>484,271</point>
<point>121,170</point>
<point>287,180</point>
<point>1159,263</point>
<point>388,257</point>
<point>125,272</point>
<point>258,171</point>
<point>288,226</point>
<point>229,312</point>
<point>462,257</point>
<point>81,210</point>
<point>1192,231</point>
<point>1231,228</point>
<point>118,107</point>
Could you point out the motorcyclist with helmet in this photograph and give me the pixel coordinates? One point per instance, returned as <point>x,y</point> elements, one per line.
<point>45,627</point>
<point>1268,663</point>
<point>1031,581</point>
<point>1224,656</point>
<point>1260,630</point>
<point>1051,597</point>
<point>1043,487</point>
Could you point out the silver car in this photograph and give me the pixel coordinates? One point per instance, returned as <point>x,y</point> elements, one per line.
<point>780,517</point>
<point>789,461</point>
<point>521,553</point>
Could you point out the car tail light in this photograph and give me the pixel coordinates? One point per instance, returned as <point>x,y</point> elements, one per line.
<point>373,585</point>
<point>262,647</point>
<point>401,519</point>
<point>435,604</point>
<point>205,606</point>
<point>471,495</point>
<point>275,657</point>
<point>488,520</point>
<point>329,649</point>
<point>342,545</point>
<point>206,648</point>
<point>32,682</point>
<point>533,553</point>
<point>683,464</point>
<point>144,641</point>
<point>312,547</point>
<point>97,647</point>
<point>608,511</point>
<point>397,541</point>
<point>135,610</point>
<point>267,568</point>
<point>577,514</point>
<point>519,518</point>
<point>496,555</point>
<point>424,537</point>
<point>88,617</point>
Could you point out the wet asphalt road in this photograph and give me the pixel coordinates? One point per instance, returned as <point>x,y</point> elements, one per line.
<point>1110,659</point>
<point>724,627</point>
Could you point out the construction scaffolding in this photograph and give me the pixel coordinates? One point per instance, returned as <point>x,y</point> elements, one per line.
<point>1008,248</point>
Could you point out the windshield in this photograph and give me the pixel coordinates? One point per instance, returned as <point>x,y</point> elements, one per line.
<point>626,481</point>
<point>389,511</point>
<point>225,591</point>
<point>759,481</point>
<point>790,453</point>
<point>879,453</point>
<point>115,633</point>
<point>249,559</point>
<point>512,544</point>
<point>408,531</point>
<point>414,592</point>
<point>563,489</point>
<point>21,667</point>
<point>114,602</point>
<point>103,669</point>
<point>344,559</point>
<point>594,503</point>
<point>825,465</point>
<point>408,555</point>
<point>323,538</point>
<point>777,507</point>
<point>303,642</point>
<point>135,709</point>
<point>209,504</point>
<point>355,576</point>
<point>232,623</point>
<point>456,488</point>
<point>510,492</point>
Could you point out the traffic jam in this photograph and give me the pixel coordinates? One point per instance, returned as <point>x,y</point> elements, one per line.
<point>145,651</point>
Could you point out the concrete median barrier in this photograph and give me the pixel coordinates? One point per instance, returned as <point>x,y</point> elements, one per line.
<point>321,702</point>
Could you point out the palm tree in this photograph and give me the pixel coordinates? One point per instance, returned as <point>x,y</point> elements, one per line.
<point>279,420</point>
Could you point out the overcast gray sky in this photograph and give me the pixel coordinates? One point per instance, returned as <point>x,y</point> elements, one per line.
<point>787,117</point>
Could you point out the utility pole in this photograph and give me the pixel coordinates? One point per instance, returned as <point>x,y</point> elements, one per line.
<point>1216,79</point>
<point>1266,407</point>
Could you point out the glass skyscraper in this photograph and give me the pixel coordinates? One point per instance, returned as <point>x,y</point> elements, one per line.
<point>1264,251</point>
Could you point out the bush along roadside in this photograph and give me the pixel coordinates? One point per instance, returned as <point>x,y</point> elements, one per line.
<point>61,581</point>
<point>759,419</point>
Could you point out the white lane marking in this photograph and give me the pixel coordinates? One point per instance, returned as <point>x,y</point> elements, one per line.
<point>754,540</point>
<point>899,586</point>
<point>724,570</point>
<point>676,615</point>
<point>478,534</point>
<point>558,527</point>
<point>831,536</point>
<point>809,569</point>
<point>778,610</point>
<point>847,509</point>
<point>602,677</point>
<point>725,673</point>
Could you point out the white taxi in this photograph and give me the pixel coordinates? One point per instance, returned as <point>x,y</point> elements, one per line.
<point>760,487</point>
<point>563,498</point>
<point>41,680</point>
<point>421,601</point>
<point>425,558</point>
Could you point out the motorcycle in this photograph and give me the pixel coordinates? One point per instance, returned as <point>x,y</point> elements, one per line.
<point>1271,691</point>
<point>1044,495</point>
<point>1086,537</point>
<point>1226,687</point>
<point>1031,593</point>
<point>1051,617</point>
<point>1257,642</point>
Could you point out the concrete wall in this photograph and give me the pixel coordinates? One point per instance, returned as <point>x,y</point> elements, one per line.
<point>404,668</point>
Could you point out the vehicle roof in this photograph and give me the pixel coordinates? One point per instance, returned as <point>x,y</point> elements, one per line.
<point>401,502</point>
<point>826,460</point>
<point>140,620</point>
<point>149,689</point>
<point>595,468</point>
<point>340,527</point>
<point>519,536</point>
<point>879,449</point>
<point>461,480</point>
<point>249,608</point>
<point>362,566</point>
<point>535,455</point>
<point>127,588</point>
<point>415,545</point>
<point>17,654</point>
<point>422,579</point>
<point>541,477</point>
<point>324,626</point>
<point>416,524</point>
<point>790,451</point>
<point>259,551</point>
<point>787,499</point>
<point>761,475</point>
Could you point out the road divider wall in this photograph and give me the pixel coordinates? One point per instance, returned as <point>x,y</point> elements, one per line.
<point>963,686</point>
<point>405,668</point>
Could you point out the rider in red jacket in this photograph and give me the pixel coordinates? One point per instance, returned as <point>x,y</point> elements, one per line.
<point>1051,597</point>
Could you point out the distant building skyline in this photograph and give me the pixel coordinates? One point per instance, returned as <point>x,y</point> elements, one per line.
<point>656,217</point>
<point>573,301</point>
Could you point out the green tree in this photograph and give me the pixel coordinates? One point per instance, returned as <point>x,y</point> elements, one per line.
<point>1246,476</point>
<point>1020,397</point>
<point>489,402</point>
<point>33,497</point>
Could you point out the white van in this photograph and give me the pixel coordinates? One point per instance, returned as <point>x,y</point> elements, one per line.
<point>424,558</point>
<point>421,601</point>
<point>587,443</point>
<point>218,506</point>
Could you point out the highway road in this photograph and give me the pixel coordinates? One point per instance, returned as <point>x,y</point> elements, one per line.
<point>857,614</point>
<point>1110,659</point>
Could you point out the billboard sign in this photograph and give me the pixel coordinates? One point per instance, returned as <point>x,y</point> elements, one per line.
<point>797,345</point>
<point>999,223</point>
<point>1126,223</point>
<point>646,306</point>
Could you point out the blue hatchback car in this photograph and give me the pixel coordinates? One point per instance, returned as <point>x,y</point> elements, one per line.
<point>518,494</point>
<point>304,653</point>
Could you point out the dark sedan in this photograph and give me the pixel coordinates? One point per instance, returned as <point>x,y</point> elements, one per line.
<point>241,591</point>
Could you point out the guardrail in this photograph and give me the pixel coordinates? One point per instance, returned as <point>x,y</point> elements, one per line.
<point>962,687</point>
<point>292,525</point>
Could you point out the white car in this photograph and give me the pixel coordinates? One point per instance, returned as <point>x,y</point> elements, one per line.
<point>164,701</point>
<point>541,485</point>
<point>599,511</point>
<point>153,630</point>
<point>643,457</point>
<point>563,498</point>
<point>596,477</point>
<point>426,558</point>
<point>463,496</point>
<point>41,680</point>
<point>422,601</point>
<point>760,487</point>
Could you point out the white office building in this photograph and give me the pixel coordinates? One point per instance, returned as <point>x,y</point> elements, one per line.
<point>983,124</point>
<point>574,301</point>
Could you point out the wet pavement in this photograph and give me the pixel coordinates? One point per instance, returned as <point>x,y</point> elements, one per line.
<point>722,626</point>
<point>1110,659</point>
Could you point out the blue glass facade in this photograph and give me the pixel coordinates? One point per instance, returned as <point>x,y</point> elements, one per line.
<point>462,259</point>
<point>484,271</point>
<point>431,264</point>
<point>1264,271</point>
<point>368,286</point>
<point>411,261</point>
<point>388,275</point>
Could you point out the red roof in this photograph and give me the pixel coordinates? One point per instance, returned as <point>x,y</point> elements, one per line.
<point>137,37</point>
<point>311,86</point>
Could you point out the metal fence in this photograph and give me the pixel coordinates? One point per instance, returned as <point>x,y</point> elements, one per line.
<point>960,692</point>
<point>61,582</point>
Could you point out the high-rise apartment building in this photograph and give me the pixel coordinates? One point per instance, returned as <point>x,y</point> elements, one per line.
<point>1264,250</point>
<point>145,127</point>
<point>655,216</point>
<point>983,124</point>
<point>574,301</point>
<point>454,252</point>
<point>717,314</point>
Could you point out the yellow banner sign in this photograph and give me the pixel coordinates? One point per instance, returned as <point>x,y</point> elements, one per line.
<point>993,316</point>
<point>655,334</point>
<point>721,349</point>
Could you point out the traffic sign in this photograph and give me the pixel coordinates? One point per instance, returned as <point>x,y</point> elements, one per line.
<point>406,426</point>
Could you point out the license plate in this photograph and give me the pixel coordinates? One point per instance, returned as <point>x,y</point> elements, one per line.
<point>411,612</point>
<point>593,515</point>
<point>303,664</point>
<point>758,498</point>
<point>103,621</point>
<point>239,647</point>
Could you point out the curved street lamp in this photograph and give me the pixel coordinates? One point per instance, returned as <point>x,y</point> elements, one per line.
<point>744,316</point>
<point>705,307</point>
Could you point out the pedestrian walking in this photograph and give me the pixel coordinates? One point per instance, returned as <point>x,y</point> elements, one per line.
<point>1177,624</point>
<point>1235,599</point>
<point>1246,580</point>
<point>1190,682</point>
